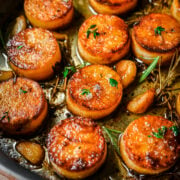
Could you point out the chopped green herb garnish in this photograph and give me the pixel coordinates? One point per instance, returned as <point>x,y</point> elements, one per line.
<point>175,130</point>
<point>22,91</point>
<point>85,92</point>
<point>113,82</point>
<point>19,47</point>
<point>149,136</point>
<point>5,116</point>
<point>158,30</point>
<point>92,26</point>
<point>149,69</point>
<point>67,70</point>
<point>88,33</point>
<point>161,132</point>
<point>94,32</point>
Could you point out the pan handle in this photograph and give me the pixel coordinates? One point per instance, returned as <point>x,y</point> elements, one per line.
<point>10,170</point>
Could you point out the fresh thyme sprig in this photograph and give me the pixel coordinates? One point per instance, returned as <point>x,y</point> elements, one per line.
<point>149,69</point>
<point>112,138</point>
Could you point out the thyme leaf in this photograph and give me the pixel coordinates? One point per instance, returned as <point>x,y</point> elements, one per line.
<point>85,92</point>
<point>175,130</point>
<point>6,115</point>
<point>113,82</point>
<point>92,26</point>
<point>158,30</point>
<point>68,69</point>
<point>94,32</point>
<point>161,132</point>
<point>22,91</point>
<point>3,118</point>
<point>88,33</point>
<point>19,47</point>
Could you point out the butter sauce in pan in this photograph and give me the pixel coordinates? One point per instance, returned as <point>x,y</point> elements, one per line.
<point>138,96</point>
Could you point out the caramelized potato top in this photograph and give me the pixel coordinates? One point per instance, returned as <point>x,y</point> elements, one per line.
<point>92,88</point>
<point>111,35</point>
<point>32,48</point>
<point>158,32</point>
<point>148,147</point>
<point>76,144</point>
<point>114,2</point>
<point>47,10</point>
<point>20,101</point>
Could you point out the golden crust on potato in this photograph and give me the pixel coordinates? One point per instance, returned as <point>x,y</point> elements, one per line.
<point>115,7</point>
<point>94,91</point>
<point>23,106</point>
<point>146,153</point>
<point>175,9</point>
<point>33,53</point>
<point>103,39</point>
<point>49,14</point>
<point>76,147</point>
<point>156,35</point>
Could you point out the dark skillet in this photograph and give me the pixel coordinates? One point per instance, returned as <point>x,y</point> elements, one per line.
<point>9,169</point>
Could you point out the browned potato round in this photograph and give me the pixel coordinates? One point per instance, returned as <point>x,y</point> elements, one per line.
<point>94,91</point>
<point>178,104</point>
<point>141,103</point>
<point>33,53</point>
<point>156,35</point>
<point>127,70</point>
<point>149,145</point>
<point>49,14</point>
<point>76,147</point>
<point>31,151</point>
<point>23,107</point>
<point>175,9</point>
<point>112,6</point>
<point>103,39</point>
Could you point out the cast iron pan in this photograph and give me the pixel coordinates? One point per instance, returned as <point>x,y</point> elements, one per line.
<point>9,169</point>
